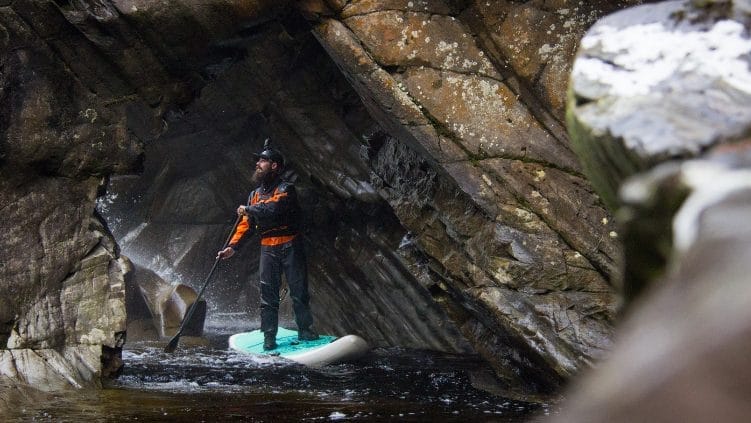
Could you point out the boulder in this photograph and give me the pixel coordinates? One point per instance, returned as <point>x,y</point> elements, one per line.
<point>156,308</point>
<point>662,127</point>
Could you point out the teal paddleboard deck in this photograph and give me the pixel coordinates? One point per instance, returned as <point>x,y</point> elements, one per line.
<point>320,352</point>
<point>286,341</point>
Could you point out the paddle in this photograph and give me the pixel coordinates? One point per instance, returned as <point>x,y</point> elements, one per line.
<point>172,345</point>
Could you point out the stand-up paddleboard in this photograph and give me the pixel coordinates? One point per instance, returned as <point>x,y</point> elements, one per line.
<point>320,352</point>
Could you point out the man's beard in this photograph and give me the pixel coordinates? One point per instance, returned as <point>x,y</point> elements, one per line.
<point>260,176</point>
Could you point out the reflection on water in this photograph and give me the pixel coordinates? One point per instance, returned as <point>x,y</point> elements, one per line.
<point>211,383</point>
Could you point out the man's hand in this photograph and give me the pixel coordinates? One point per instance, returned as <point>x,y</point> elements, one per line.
<point>241,211</point>
<point>225,253</point>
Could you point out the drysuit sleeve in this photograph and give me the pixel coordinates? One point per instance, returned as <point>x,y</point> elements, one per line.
<point>242,227</point>
<point>245,227</point>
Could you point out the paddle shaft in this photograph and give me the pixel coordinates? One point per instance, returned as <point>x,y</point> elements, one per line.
<point>172,345</point>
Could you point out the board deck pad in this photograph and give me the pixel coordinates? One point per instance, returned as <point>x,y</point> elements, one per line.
<point>286,341</point>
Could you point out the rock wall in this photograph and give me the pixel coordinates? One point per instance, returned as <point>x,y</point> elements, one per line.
<point>484,180</point>
<point>63,314</point>
<point>444,206</point>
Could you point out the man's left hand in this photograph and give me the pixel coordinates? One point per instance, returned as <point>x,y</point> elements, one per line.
<point>225,253</point>
<point>241,211</point>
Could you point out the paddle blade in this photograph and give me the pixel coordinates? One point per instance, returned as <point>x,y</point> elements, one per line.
<point>172,345</point>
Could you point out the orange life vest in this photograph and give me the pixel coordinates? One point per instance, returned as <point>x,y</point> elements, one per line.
<point>273,212</point>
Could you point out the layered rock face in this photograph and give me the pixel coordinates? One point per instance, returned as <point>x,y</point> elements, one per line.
<point>62,313</point>
<point>664,131</point>
<point>444,207</point>
<point>63,310</point>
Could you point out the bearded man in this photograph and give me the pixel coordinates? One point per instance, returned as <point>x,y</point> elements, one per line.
<point>273,212</point>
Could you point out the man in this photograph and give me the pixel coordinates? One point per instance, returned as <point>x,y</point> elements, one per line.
<point>273,212</point>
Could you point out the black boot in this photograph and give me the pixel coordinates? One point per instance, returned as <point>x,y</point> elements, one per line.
<point>307,335</point>
<point>269,341</point>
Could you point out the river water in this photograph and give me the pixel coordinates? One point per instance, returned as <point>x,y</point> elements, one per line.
<point>211,383</point>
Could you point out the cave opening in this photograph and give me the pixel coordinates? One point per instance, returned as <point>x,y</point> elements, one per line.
<point>171,219</point>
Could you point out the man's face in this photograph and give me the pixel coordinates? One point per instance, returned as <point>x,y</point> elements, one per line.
<point>263,168</point>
